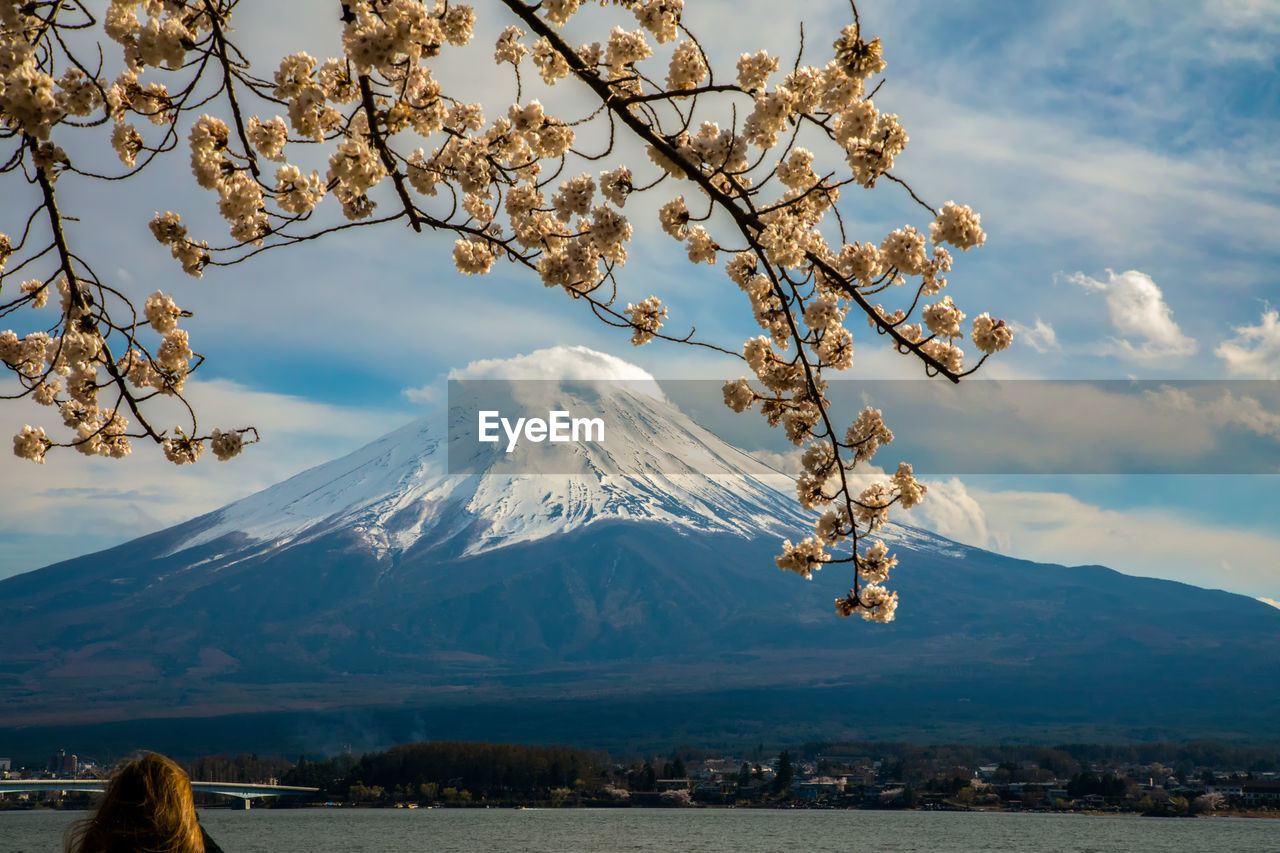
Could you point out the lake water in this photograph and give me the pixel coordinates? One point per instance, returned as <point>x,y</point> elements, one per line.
<point>693,830</point>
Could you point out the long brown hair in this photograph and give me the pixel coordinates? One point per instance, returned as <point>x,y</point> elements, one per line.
<point>148,808</point>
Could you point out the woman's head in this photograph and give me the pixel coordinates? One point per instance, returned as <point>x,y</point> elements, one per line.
<point>148,808</point>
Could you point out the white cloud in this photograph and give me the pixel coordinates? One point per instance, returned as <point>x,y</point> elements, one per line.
<point>564,362</point>
<point>72,505</point>
<point>1041,337</point>
<point>1024,169</point>
<point>1249,413</point>
<point>1270,601</point>
<point>1249,30</point>
<point>1138,311</point>
<point>1227,410</point>
<point>424,395</point>
<point>1154,542</point>
<point>951,511</point>
<point>1255,350</point>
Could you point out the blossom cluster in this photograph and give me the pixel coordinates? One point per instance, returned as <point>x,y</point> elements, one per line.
<point>646,318</point>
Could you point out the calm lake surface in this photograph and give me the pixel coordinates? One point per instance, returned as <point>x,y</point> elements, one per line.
<point>666,830</point>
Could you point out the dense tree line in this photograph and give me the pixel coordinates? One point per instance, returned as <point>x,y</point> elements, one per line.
<point>481,770</point>
<point>1253,759</point>
<point>245,767</point>
<point>1107,785</point>
<point>330,774</point>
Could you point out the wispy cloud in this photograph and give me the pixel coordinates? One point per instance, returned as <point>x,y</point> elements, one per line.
<point>423,395</point>
<point>106,502</point>
<point>1041,337</point>
<point>1226,410</point>
<point>1246,31</point>
<point>1156,542</point>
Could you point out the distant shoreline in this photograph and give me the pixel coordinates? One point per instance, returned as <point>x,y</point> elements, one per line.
<point>1254,814</point>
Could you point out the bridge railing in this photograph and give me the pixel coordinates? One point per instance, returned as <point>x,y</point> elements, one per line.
<point>243,790</point>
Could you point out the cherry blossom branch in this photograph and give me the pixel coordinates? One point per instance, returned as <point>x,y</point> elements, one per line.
<point>228,85</point>
<point>67,267</point>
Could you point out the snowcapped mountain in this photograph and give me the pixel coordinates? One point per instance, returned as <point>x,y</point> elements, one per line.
<point>629,569</point>
<point>656,465</point>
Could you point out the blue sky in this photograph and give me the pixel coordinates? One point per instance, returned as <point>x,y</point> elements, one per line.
<point>1122,157</point>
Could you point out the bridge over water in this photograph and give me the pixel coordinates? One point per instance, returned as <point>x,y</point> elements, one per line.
<point>243,791</point>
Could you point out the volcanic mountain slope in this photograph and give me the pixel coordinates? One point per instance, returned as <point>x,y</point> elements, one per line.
<point>381,579</point>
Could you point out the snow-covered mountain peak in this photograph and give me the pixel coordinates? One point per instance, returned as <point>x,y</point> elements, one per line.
<point>432,483</point>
